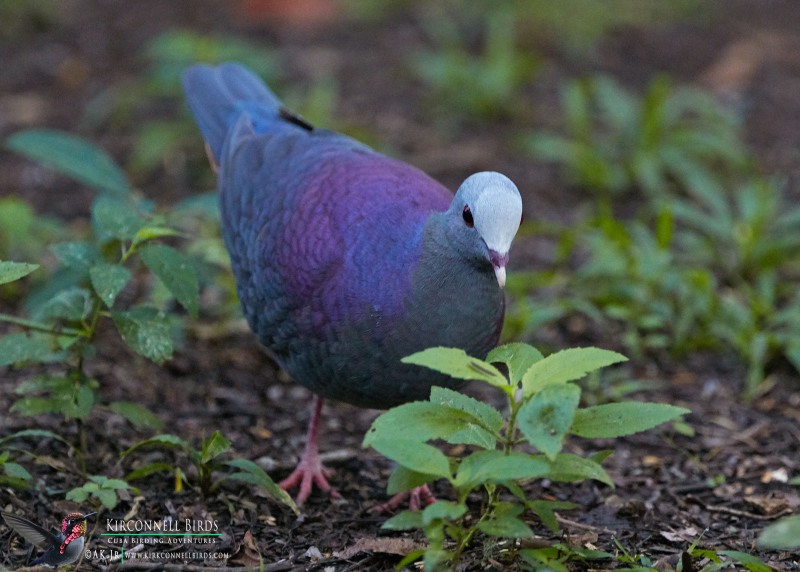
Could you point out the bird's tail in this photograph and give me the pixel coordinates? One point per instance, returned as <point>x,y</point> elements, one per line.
<point>217,95</point>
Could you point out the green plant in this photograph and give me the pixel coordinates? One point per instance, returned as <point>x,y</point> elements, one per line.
<point>578,25</point>
<point>100,491</point>
<point>24,234</point>
<point>671,140</point>
<point>542,411</point>
<point>713,271</point>
<point>92,287</point>
<point>742,233</point>
<point>207,463</point>
<point>485,85</point>
<point>631,280</point>
<point>781,535</point>
<point>13,473</point>
<point>728,559</point>
<point>761,322</point>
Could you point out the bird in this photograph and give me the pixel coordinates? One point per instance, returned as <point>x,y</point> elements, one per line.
<point>60,548</point>
<point>347,260</point>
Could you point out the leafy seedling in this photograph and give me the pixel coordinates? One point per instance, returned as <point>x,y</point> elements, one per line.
<point>670,140</point>
<point>543,410</point>
<point>484,85</point>
<point>208,464</point>
<point>99,491</point>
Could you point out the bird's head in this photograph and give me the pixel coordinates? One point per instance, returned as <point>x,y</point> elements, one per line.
<point>486,213</point>
<point>74,524</point>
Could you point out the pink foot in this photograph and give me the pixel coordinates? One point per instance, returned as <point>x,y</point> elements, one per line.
<point>310,469</point>
<point>418,498</point>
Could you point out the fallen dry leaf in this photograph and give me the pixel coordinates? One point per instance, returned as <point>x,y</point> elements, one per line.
<point>398,546</point>
<point>248,554</point>
<point>684,535</point>
<point>767,505</point>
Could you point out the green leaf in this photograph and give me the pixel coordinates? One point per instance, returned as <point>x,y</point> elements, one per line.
<point>253,474</point>
<point>108,280</point>
<point>149,469</point>
<point>418,421</point>
<point>419,457</point>
<point>442,510</point>
<point>505,522</point>
<point>613,420</point>
<point>108,498</point>
<point>215,446</point>
<point>78,495</point>
<point>77,403</point>
<point>457,364</point>
<point>107,483</point>
<point>566,365</point>
<point>518,358</point>
<point>20,347</point>
<point>150,232</point>
<point>546,418</point>
<point>147,331</point>
<point>404,479</point>
<point>163,440</point>
<point>137,414</point>
<point>11,271</point>
<point>781,535</point>
<point>752,563</point>
<point>544,509</point>
<point>496,466</point>
<point>177,273</point>
<point>569,468</point>
<point>406,520</point>
<point>488,416</point>
<point>16,471</point>
<point>473,434</point>
<point>79,255</point>
<point>73,304</point>
<point>42,433</point>
<point>114,218</point>
<point>72,156</point>
<point>436,559</point>
<point>32,406</point>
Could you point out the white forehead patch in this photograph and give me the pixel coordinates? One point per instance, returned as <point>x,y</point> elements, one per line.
<point>497,211</point>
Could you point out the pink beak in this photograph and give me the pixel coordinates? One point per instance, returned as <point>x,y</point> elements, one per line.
<point>499,262</point>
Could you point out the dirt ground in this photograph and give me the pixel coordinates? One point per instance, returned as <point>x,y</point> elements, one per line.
<point>724,483</point>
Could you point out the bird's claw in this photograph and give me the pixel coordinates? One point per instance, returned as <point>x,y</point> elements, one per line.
<point>418,498</point>
<point>309,471</point>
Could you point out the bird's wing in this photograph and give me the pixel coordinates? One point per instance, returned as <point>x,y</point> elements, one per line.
<point>316,225</point>
<point>32,532</point>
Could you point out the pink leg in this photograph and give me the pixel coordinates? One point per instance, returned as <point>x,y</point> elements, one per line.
<point>418,498</point>
<point>310,469</point>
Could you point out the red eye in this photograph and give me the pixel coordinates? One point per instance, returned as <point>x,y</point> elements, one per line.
<point>467,214</point>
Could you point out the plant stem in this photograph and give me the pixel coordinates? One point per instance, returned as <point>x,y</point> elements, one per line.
<point>465,539</point>
<point>82,446</point>
<point>39,327</point>
<point>510,437</point>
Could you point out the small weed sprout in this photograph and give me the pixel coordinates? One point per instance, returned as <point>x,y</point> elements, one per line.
<point>207,463</point>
